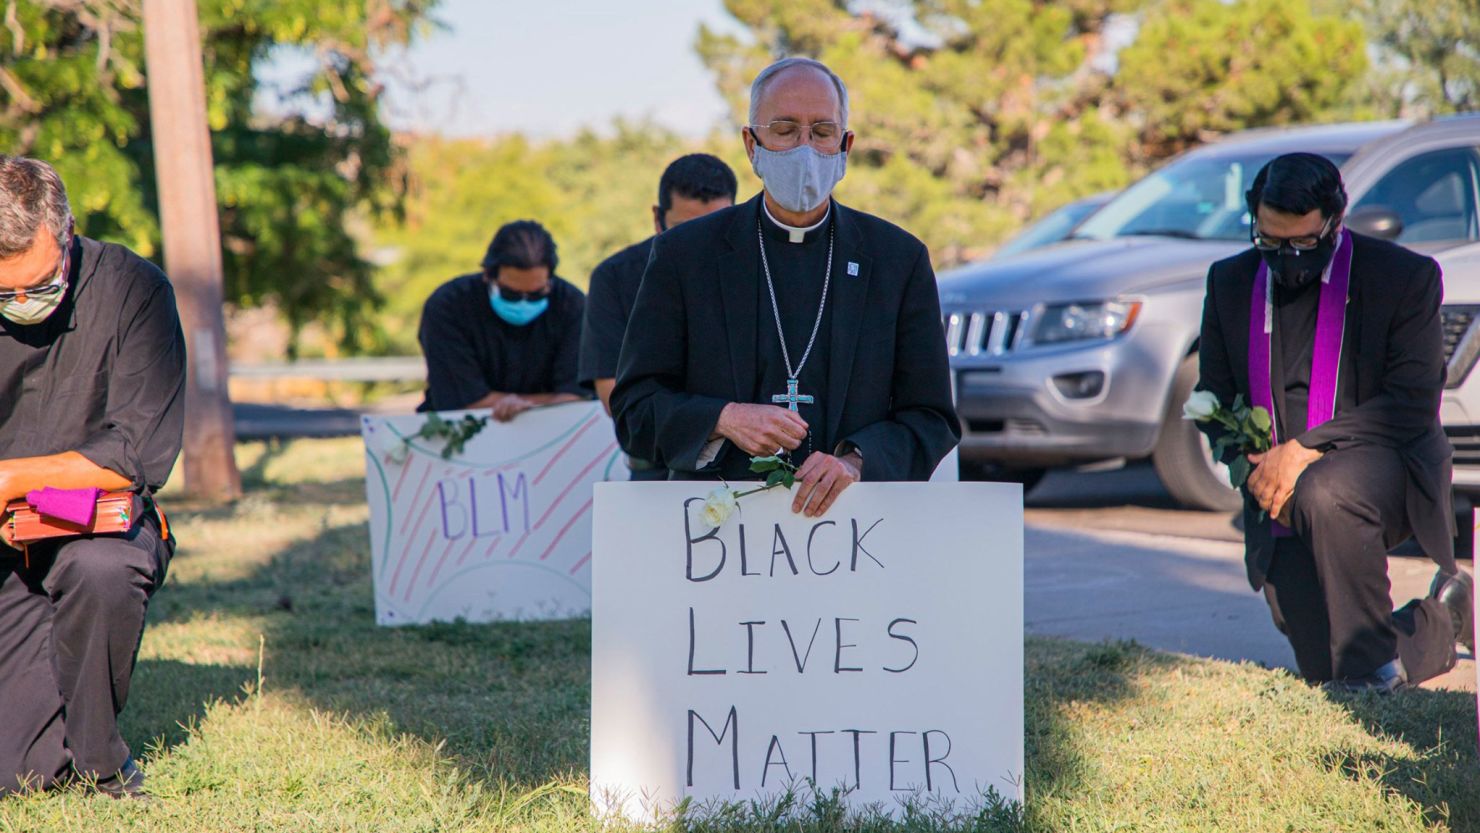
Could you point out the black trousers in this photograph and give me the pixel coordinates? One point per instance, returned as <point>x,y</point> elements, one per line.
<point>70,625</point>
<point>1328,587</point>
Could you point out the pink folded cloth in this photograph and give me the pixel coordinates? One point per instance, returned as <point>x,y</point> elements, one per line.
<point>71,505</point>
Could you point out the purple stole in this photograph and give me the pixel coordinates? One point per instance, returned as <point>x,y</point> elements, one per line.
<point>1325,358</point>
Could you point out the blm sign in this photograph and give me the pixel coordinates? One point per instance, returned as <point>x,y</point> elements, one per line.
<point>499,530</point>
<point>877,650</point>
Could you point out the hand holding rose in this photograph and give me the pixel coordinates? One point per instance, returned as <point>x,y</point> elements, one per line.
<point>1276,471</point>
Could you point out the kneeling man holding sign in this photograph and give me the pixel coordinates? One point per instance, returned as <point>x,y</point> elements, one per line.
<point>876,651</point>
<point>789,322</point>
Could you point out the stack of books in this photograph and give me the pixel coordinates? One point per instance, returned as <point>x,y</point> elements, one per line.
<point>115,514</point>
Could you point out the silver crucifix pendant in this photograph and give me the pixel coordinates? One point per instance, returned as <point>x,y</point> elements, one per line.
<point>791,397</point>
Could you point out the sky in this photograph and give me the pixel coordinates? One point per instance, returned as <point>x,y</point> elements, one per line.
<point>550,67</point>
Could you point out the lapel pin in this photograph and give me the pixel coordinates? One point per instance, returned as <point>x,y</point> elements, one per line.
<point>852,268</point>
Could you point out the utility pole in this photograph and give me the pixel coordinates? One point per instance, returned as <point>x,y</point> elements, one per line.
<point>192,239</point>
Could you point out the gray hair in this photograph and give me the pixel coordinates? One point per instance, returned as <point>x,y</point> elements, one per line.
<point>32,198</point>
<point>767,75</point>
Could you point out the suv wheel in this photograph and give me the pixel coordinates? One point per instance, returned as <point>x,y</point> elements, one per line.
<point>1182,457</point>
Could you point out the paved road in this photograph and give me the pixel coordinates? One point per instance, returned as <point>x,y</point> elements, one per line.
<point>1108,556</point>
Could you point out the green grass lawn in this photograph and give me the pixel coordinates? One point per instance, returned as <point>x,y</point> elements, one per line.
<point>267,700</point>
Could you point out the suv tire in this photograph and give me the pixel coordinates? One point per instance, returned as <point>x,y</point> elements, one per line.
<point>1182,457</point>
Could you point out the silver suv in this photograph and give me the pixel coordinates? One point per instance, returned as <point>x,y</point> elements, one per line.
<point>1083,352</point>
<point>1460,411</point>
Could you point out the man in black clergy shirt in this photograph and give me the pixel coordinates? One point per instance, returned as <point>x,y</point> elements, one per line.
<point>92,379</point>
<point>506,338</point>
<point>790,321</point>
<point>1339,334</point>
<point>691,186</point>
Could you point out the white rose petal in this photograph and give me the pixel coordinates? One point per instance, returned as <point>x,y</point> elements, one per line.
<point>398,454</point>
<point>1201,405</point>
<point>718,508</point>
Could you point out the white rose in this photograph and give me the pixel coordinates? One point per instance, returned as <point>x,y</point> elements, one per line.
<point>1201,405</point>
<point>718,508</point>
<point>398,454</point>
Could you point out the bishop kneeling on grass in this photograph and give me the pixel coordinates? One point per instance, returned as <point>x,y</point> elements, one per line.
<point>790,322</point>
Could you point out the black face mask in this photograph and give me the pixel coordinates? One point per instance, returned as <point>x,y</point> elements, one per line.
<point>1294,269</point>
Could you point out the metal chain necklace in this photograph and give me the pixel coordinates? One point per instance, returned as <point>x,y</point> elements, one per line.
<point>793,375</point>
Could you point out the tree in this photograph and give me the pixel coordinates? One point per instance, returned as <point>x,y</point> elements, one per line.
<point>972,116</point>
<point>1427,55</point>
<point>1203,68</point>
<point>73,91</point>
<point>592,191</point>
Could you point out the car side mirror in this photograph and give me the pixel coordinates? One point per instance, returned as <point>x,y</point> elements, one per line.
<point>1376,221</point>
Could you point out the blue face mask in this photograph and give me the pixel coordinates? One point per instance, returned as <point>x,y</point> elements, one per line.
<point>517,313</point>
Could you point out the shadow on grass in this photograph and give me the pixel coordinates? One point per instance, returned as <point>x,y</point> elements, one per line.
<point>1443,774</point>
<point>169,696</point>
<point>348,491</point>
<point>510,701</point>
<point>1060,677</point>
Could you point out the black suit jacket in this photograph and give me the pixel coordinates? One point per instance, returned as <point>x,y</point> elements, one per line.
<point>1388,387</point>
<point>690,348</point>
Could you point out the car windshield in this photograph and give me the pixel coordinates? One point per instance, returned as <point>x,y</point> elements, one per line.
<point>1050,229</point>
<point>1195,199</point>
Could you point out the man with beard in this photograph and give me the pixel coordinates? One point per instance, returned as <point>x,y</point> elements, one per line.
<point>1338,336</point>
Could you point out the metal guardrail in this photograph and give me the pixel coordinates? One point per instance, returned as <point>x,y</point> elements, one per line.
<point>388,369</point>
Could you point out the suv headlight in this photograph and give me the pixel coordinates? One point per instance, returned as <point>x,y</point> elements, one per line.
<point>1059,323</point>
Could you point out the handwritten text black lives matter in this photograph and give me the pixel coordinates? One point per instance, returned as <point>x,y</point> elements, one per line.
<point>727,741</point>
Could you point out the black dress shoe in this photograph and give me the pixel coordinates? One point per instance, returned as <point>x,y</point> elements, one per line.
<point>128,783</point>
<point>1389,679</point>
<point>1457,594</point>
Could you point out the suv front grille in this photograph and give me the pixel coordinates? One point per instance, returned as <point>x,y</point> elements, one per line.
<point>1466,442</point>
<point>992,333</point>
<point>1461,341</point>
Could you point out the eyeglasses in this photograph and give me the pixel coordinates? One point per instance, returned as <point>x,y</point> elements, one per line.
<point>56,285</point>
<point>515,295</point>
<point>1266,243</point>
<point>785,134</point>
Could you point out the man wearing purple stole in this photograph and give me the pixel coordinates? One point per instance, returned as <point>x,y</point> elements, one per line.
<point>1338,336</point>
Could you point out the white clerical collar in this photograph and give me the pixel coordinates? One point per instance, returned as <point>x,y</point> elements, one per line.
<point>795,234</point>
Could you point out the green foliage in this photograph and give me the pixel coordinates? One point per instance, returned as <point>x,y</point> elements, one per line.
<point>71,86</point>
<point>1244,64</point>
<point>1006,110</point>
<point>1248,432</point>
<point>1018,106</point>
<point>779,471</point>
<point>73,92</point>
<point>454,433</point>
<point>1427,55</point>
<point>593,192</point>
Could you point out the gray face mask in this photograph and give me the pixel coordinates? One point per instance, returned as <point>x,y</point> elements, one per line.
<point>799,179</point>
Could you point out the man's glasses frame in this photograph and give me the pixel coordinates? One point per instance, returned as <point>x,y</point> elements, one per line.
<point>57,284</point>
<point>1266,243</point>
<point>515,295</point>
<point>786,134</point>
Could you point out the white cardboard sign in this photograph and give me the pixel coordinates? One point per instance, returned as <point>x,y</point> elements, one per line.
<point>878,649</point>
<point>500,531</point>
